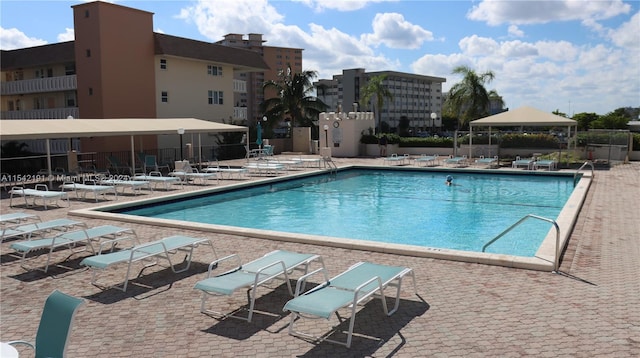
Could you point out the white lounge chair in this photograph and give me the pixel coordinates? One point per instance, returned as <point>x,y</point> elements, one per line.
<point>226,170</point>
<point>276,264</point>
<point>159,249</point>
<point>265,168</point>
<point>456,161</point>
<point>488,162</point>
<point>545,163</point>
<point>28,230</point>
<point>136,186</point>
<point>395,159</point>
<point>528,163</point>
<point>156,179</point>
<point>17,217</point>
<point>71,239</point>
<point>356,285</point>
<point>190,174</point>
<point>41,192</point>
<point>95,189</point>
<point>427,160</point>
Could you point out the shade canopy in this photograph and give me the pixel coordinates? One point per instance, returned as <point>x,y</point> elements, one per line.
<point>15,129</point>
<point>523,116</point>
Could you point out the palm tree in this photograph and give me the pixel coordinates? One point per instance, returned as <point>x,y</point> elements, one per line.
<point>294,100</point>
<point>469,99</point>
<point>376,88</point>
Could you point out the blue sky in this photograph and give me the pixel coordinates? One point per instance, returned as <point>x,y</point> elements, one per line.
<point>572,56</point>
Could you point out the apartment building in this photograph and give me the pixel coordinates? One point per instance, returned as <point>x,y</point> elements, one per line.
<point>415,97</point>
<point>278,59</point>
<point>117,67</point>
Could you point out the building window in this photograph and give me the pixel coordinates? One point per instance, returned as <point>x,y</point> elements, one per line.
<point>215,97</point>
<point>164,97</point>
<point>86,13</point>
<point>163,64</point>
<point>70,99</point>
<point>70,69</point>
<point>90,91</point>
<point>88,53</point>
<point>214,70</point>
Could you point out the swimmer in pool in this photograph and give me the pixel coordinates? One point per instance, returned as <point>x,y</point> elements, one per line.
<point>449,180</point>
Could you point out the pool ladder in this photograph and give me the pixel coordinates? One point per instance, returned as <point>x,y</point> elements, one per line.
<point>556,260</point>
<point>575,175</point>
<point>328,162</point>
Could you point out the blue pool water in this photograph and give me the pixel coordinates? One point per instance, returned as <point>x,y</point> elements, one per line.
<point>404,207</point>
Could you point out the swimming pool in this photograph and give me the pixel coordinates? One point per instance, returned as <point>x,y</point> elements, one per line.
<point>388,206</point>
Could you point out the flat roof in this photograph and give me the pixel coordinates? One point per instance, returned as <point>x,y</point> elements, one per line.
<point>20,129</point>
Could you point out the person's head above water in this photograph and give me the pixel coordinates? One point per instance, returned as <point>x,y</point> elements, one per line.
<point>449,180</point>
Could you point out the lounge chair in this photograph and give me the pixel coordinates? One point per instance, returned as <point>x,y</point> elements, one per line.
<point>251,275</point>
<point>456,161</point>
<point>28,230</point>
<point>136,186</point>
<point>356,285</point>
<point>71,239</point>
<point>151,164</point>
<point>488,162</point>
<point>266,168</point>
<point>41,192</point>
<point>156,179</point>
<point>159,249</point>
<point>225,169</point>
<point>545,163</point>
<point>427,160</point>
<point>188,173</point>
<point>86,188</point>
<point>120,168</point>
<point>397,159</point>
<point>17,217</point>
<point>55,325</point>
<point>289,163</point>
<point>528,163</point>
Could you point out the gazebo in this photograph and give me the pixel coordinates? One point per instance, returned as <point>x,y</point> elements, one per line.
<point>521,117</point>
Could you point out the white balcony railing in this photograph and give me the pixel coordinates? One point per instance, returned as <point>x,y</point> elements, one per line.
<point>240,113</point>
<point>51,113</point>
<point>48,84</point>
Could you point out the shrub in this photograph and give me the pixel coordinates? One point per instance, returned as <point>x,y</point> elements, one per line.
<point>429,142</point>
<point>529,141</point>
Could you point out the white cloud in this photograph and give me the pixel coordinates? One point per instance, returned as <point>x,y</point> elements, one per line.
<point>496,12</point>
<point>13,38</point>
<point>68,35</point>
<point>627,34</point>
<point>340,5</point>
<point>514,31</point>
<point>392,30</point>
<point>478,46</point>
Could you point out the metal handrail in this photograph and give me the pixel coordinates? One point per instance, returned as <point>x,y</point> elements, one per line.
<point>588,162</point>
<point>556,260</point>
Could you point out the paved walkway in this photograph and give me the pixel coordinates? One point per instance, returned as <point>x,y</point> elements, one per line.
<point>592,309</point>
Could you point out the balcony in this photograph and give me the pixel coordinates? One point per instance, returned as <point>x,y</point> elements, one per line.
<point>240,113</point>
<point>39,85</point>
<point>50,113</point>
<point>239,86</point>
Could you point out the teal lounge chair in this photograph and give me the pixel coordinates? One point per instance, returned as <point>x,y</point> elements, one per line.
<point>41,192</point>
<point>356,285</point>
<point>251,275</point>
<point>159,249</point>
<point>28,230</point>
<point>55,325</point>
<point>72,239</point>
<point>17,217</point>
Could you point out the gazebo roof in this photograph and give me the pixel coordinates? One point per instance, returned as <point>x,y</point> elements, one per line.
<point>523,116</point>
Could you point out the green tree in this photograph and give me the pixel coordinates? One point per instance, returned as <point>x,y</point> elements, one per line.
<point>294,102</point>
<point>376,88</point>
<point>584,120</point>
<point>469,99</point>
<point>612,120</point>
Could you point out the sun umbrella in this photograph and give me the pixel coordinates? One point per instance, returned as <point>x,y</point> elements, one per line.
<point>259,135</point>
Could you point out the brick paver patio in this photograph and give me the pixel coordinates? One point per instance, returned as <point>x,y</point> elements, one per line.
<point>592,309</point>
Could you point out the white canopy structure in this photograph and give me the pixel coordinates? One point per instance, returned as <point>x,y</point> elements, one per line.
<point>15,129</point>
<point>521,117</point>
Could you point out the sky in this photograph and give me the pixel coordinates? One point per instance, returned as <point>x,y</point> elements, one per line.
<point>571,56</point>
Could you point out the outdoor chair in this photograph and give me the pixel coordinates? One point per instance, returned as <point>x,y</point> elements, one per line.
<point>55,326</point>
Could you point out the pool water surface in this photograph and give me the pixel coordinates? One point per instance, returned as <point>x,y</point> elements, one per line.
<point>403,207</point>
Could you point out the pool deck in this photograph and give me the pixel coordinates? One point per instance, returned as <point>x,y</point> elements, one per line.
<point>591,308</point>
